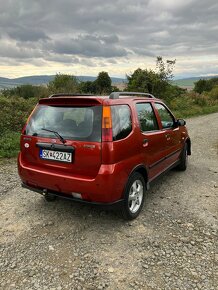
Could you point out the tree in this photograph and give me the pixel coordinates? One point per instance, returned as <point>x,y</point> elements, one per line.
<point>150,81</point>
<point>142,81</point>
<point>88,87</point>
<point>63,83</point>
<point>103,83</point>
<point>165,69</point>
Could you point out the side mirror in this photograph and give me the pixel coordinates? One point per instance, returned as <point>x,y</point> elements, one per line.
<point>180,122</point>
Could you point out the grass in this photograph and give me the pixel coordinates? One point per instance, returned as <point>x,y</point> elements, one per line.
<point>9,145</point>
<point>185,83</point>
<point>195,111</point>
<point>193,104</point>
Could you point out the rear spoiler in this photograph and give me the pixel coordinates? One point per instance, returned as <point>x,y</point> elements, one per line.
<point>71,101</point>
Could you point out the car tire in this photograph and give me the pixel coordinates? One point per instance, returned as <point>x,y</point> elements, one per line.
<point>133,196</point>
<point>183,159</point>
<point>50,197</point>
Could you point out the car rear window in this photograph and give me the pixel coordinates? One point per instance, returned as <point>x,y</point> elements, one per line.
<point>74,123</point>
<point>121,120</point>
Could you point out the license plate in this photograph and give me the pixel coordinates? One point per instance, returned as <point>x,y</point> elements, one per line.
<point>55,155</point>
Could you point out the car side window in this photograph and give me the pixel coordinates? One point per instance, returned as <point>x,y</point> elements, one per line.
<point>167,120</point>
<point>146,117</point>
<point>122,122</point>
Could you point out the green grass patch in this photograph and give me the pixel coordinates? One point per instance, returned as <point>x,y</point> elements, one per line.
<point>193,104</point>
<point>185,82</point>
<point>9,145</point>
<point>195,111</point>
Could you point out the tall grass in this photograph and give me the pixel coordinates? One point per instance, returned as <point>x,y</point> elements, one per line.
<point>9,144</point>
<point>193,104</point>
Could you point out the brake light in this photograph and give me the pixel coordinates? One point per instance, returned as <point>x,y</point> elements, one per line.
<point>107,134</point>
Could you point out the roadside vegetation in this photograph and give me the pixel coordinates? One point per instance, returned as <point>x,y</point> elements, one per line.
<point>17,103</point>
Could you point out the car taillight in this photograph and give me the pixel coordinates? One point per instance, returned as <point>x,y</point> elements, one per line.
<point>107,134</point>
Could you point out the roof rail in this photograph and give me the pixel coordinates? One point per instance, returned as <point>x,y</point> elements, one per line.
<point>116,95</point>
<point>68,95</point>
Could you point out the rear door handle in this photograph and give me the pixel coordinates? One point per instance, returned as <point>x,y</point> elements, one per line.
<point>168,136</point>
<point>145,142</point>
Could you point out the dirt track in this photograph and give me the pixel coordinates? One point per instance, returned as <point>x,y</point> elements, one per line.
<point>172,244</point>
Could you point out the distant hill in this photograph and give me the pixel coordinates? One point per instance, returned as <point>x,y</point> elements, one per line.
<point>6,83</point>
<point>189,82</point>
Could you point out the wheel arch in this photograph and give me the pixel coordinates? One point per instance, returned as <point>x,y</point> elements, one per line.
<point>188,141</point>
<point>143,171</point>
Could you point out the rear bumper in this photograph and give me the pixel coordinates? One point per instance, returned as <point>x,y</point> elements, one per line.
<point>42,191</point>
<point>106,187</point>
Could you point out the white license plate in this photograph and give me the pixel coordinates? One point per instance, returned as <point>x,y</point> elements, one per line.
<point>55,155</point>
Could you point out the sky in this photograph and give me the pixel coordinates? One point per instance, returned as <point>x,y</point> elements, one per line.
<point>118,36</point>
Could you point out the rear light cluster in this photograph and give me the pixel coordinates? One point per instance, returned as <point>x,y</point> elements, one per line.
<point>107,134</point>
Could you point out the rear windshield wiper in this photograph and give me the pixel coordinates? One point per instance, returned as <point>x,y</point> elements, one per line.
<point>57,134</point>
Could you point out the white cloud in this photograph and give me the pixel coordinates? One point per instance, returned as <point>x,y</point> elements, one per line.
<point>170,5</point>
<point>120,34</point>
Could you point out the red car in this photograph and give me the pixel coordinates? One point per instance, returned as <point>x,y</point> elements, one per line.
<point>101,150</point>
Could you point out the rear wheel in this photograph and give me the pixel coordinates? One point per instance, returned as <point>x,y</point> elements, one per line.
<point>183,159</point>
<point>134,196</point>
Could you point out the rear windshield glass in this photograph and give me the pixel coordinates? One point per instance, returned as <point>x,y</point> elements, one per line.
<point>122,123</point>
<point>74,123</point>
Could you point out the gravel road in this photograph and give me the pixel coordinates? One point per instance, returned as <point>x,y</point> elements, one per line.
<point>171,245</point>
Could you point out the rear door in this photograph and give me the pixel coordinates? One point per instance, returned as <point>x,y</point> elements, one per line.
<point>172,134</point>
<point>152,140</point>
<point>79,124</point>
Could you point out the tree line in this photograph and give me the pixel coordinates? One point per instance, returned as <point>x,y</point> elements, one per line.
<point>64,83</point>
<point>157,82</point>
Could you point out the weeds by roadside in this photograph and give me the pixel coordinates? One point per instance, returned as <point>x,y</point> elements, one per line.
<point>9,144</point>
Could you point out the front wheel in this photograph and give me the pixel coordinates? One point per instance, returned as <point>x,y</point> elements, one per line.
<point>133,196</point>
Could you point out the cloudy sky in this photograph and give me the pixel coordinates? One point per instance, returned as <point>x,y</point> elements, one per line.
<point>83,37</point>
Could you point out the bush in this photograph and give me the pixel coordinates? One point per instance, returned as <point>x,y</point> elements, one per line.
<point>26,92</point>
<point>192,104</point>
<point>14,113</point>
<point>213,94</point>
<point>205,85</point>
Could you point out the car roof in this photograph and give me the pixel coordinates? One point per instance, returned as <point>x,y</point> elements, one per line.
<point>113,98</point>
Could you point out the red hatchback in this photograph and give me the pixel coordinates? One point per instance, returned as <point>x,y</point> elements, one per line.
<point>101,150</point>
